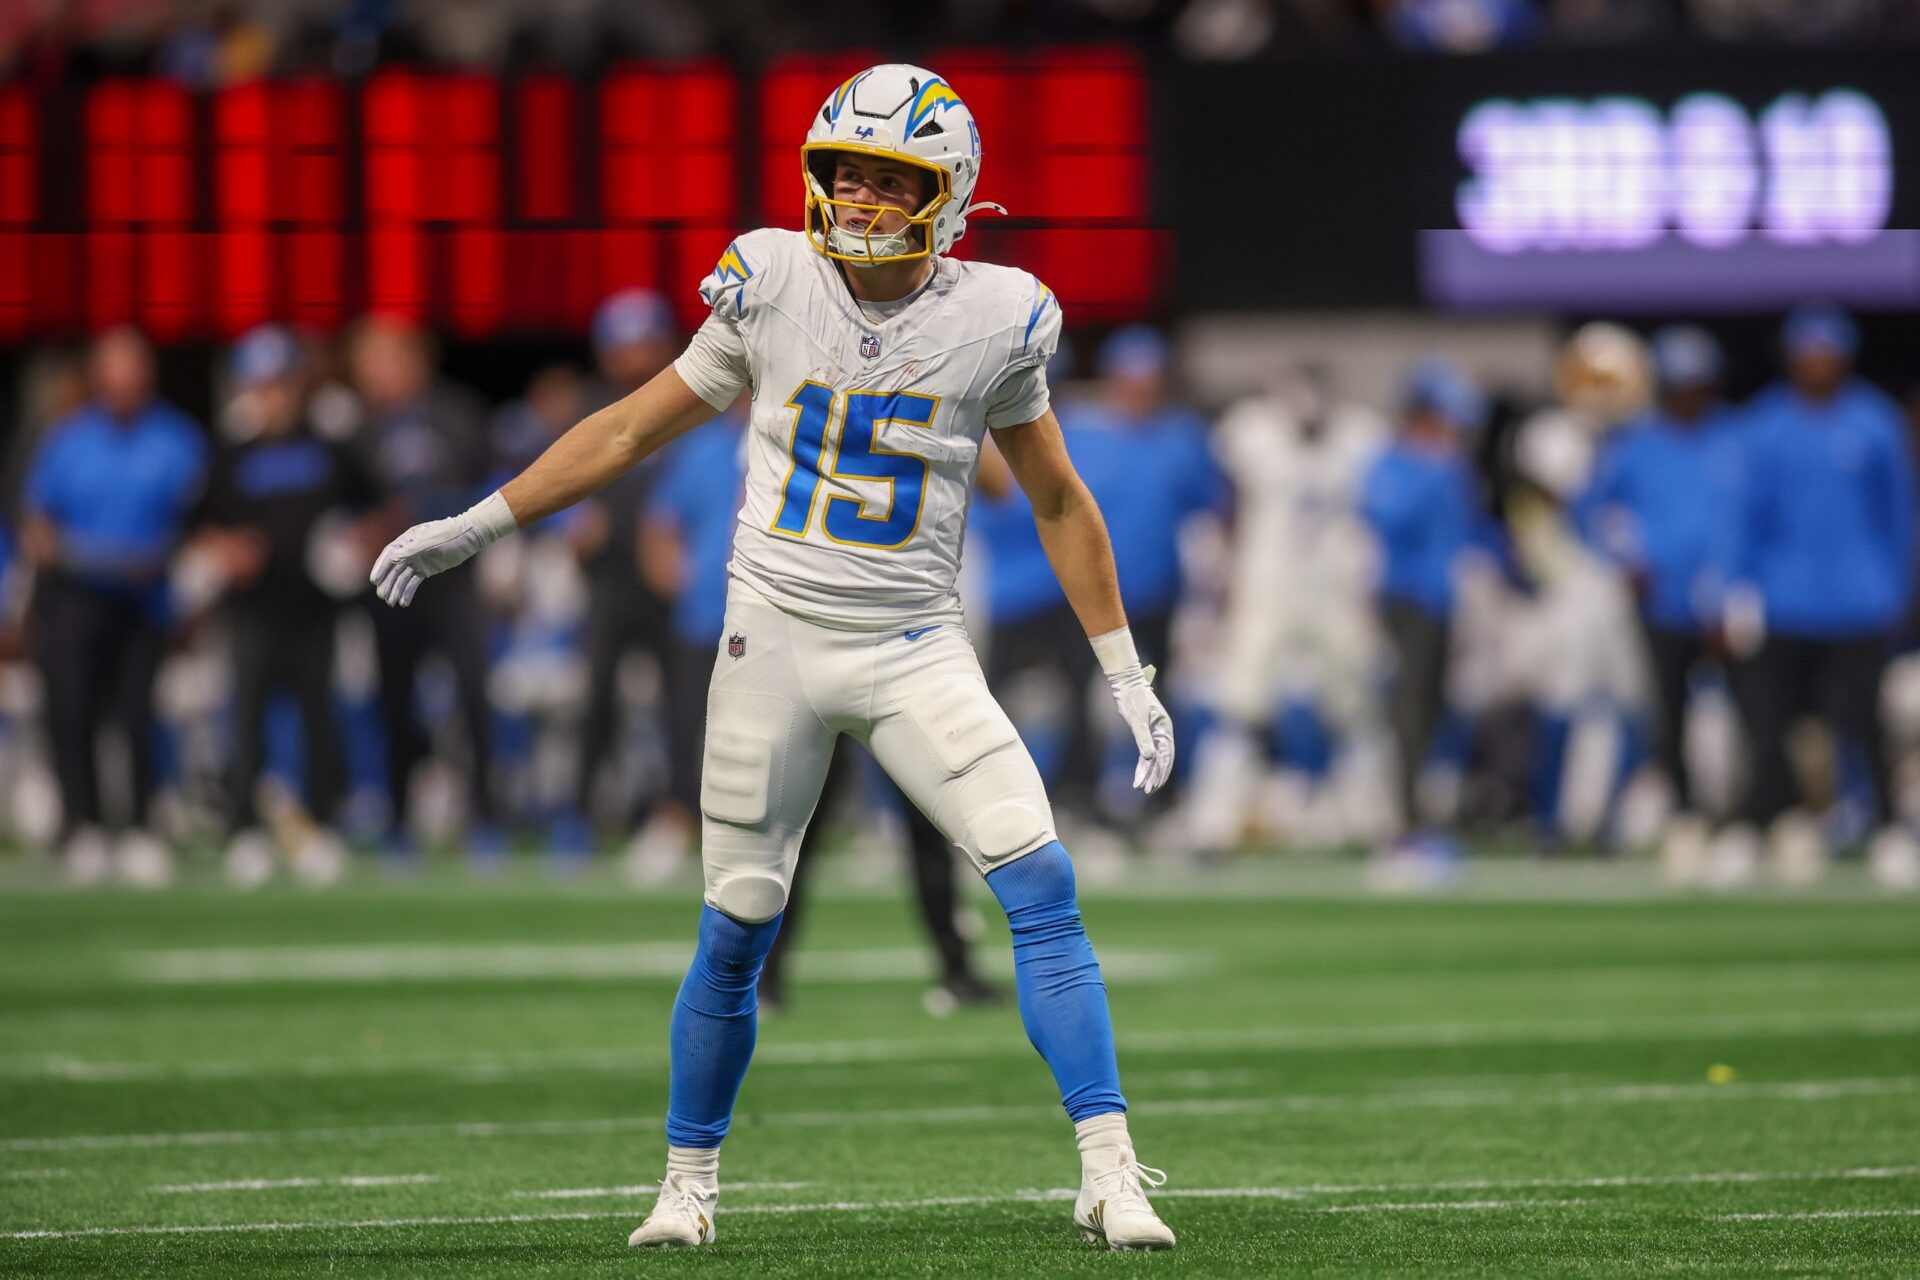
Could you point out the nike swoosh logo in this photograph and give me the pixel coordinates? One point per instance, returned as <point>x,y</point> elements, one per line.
<point>915,635</point>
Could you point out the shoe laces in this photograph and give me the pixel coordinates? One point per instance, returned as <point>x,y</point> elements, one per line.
<point>681,1196</point>
<point>1123,1184</point>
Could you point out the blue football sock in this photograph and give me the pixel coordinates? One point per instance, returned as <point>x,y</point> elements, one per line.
<point>713,1027</point>
<point>1062,998</point>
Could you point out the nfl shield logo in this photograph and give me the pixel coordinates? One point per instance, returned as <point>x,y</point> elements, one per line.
<point>869,347</point>
<point>736,645</point>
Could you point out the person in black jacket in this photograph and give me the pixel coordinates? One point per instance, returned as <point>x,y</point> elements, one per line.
<point>272,520</point>
<point>426,442</point>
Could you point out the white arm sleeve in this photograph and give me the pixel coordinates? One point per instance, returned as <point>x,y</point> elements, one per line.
<point>715,362</point>
<point>1019,398</point>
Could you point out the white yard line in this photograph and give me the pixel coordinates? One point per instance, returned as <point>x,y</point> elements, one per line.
<point>1783,1091</point>
<point>840,1052</point>
<point>1737,1177</point>
<point>839,1206</point>
<point>429,962</point>
<point>29,1175</point>
<point>278,1184</point>
<point>1819,1213</point>
<point>644,1189</point>
<point>1062,1194</point>
<point>1422,1206</point>
<point>1304,1191</point>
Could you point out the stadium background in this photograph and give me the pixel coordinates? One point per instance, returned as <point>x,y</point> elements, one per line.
<point>1284,188</point>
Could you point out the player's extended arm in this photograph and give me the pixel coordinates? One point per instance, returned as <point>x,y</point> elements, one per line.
<point>1075,539</point>
<point>582,462</point>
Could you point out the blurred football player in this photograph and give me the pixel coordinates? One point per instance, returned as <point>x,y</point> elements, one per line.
<point>1567,644</point>
<point>1298,630</point>
<point>876,364</point>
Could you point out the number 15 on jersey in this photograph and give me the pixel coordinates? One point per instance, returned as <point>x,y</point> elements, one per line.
<point>853,455</point>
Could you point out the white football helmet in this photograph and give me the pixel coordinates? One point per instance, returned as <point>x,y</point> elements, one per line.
<point>905,113</point>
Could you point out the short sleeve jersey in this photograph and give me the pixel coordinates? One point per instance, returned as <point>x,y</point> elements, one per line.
<point>864,434</point>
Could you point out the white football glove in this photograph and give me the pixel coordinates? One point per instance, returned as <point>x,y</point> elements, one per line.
<point>1132,686</point>
<point>436,546</point>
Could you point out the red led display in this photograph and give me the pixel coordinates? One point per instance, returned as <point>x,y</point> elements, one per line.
<point>279,165</point>
<point>494,207</point>
<point>545,126</point>
<point>19,158</point>
<point>19,208</point>
<point>668,162</point>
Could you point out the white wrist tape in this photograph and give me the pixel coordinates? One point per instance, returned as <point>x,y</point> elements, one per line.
<point>493,517</point>
<point>1116,653</point>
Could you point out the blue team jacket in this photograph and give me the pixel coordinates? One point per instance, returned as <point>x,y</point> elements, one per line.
<point>1665,501</point>
<point>1419,503</point>
<point>1828,533</point>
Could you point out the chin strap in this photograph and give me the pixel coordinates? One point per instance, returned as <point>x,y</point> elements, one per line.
<point>984,206</point>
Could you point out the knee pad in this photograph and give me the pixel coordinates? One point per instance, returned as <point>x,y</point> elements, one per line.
<point>749,899</point>
<point>1007,827</point>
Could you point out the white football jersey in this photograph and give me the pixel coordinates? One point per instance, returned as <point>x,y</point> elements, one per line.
<point>864,434</point>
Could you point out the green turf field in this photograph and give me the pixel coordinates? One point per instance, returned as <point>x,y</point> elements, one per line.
<point>1553,1072</point>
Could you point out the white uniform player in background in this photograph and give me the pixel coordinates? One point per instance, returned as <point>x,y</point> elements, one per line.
<point>876,365</point>
<point>1298,626</point>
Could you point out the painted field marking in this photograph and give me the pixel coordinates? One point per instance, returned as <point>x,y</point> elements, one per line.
<point>1304,1191</point>
<point>839,1206</point>
<point>845,1052</point>
<point>29,1175</point>
<point>278,1184</point>
<point>428,962</point>
<point>646,1189</point>
<point>1907,1212</point>
<point>1061,1194</point>
<point>1784,1091</point>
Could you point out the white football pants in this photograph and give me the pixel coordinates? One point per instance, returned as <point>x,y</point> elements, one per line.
<point>783,691</point>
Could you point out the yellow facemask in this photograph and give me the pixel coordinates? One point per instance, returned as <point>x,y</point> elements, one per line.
<point>866,247</point>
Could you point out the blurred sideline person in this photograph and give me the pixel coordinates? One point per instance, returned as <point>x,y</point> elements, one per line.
<point>1034,651</point>
<point>842,616</point>
<point>1145,459</point>
<point>106,500</point>
<point>1664,506</point>
<point>1828,550</point>
<point>1418,498</point>
<point>634,338</point>
<point>426,445</point>
<point>537,590</point>
<point>264,518</point>
<point>686,542</point>
<point>1298,632</point>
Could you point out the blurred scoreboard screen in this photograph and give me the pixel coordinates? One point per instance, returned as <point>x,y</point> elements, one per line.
<point>497,207</point>
<point>1617,202</point>
<point>1685,178</point>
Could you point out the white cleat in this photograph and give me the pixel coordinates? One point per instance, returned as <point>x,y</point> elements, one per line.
<point>1113,1209</point>
<point>681,1217</point>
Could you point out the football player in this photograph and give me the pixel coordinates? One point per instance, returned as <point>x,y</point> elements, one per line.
<point>876,365</point>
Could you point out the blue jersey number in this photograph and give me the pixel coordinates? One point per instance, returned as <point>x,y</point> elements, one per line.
<point>852,455</point>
